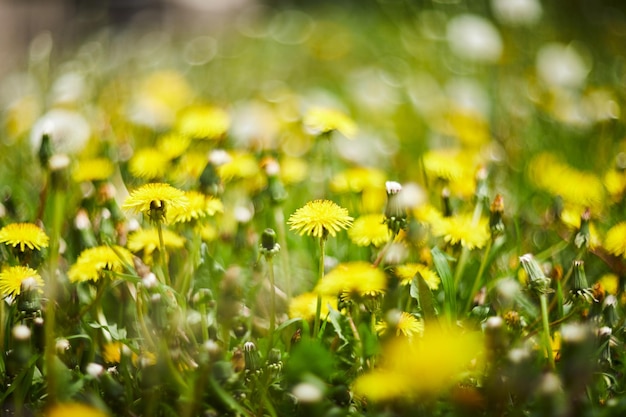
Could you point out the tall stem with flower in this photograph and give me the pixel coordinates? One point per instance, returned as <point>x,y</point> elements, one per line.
<point>320,218</point>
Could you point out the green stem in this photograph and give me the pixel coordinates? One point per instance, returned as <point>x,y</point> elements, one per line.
<point>270,265</point>
<point>318,308</point>
<point>547,340</point>
<point>163,255</point>
<point>479,276</point>
<point>56,221</point>
<point>279,218</point>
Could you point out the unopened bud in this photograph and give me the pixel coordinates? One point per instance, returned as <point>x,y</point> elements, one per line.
<point>268,245</point>
<point>495,215</point>
<point>538,280</point>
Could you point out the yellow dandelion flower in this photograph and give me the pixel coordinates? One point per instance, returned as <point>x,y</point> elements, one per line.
<point>427,214</point>
<point>11,279</point>
<point>199,206</point>
<point>358,277</point>
<point>240,165</point>
<point>356,180</point>
<point>469,127</point>
<point>445,164</point>
<point>173,145</point>
<point>304,306</point>
<point>112,352</point>
<point>148,164</point>
<point>147,240</point>
<point>92,262</point>
<point>293,170</point>
<point>407,325</point>
<point>580,188</point>
<point>610,283</point>
<point>369,229</point>
<point>203,122</point>
<point>615,240</point>
<point>155,196</point>
<point>96,169</point>
<point>74,410</point>
<point>320,120</point>
<point>443,356</point>
<point>461,229</point>
<point>319,218</point>
<point>207,232</point>
<point>406,273</point>
<point>189,168</point>
<point>26,235</point>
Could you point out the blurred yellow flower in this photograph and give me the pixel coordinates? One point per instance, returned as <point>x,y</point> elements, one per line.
<point>240,165</point>
<point>407,271</point>
<point>203,122</point>
<point>353,278</point>
<point>319,218</point>
<point>74,410</point>
<point>356,180</point>
<point>92,262</point>
<point>148,164</point>
<point>207,232</point>
<point>147,240</point>
<point>155,196</point>
<point>112,352</point>
<point>304,305</point>
<point>469,127</point>
<point>427,214</point>
<point>320,120</point>
<point>610,283</point>
<point>446,164</point>
<point>189,168</point>
<point>406,325</point>
<point>461,229</point>
<point>26,235</point>
<point>172,145</point>
<point>199,206</point>
<point>11,279</point>
<point>615,240</point>
<point>549,173</point>
<point>412,369</point>
<point>96,169</point>
<point>293,170</point>
<point>369,229</point>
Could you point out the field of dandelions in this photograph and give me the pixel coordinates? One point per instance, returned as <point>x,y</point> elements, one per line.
<point>417,209</point>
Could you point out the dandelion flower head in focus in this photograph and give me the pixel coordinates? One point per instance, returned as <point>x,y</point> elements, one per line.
<point>12,277</point>
<point>24,235</point>
<point>320,218</point>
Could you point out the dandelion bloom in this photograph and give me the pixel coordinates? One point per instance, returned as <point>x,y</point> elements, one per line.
<point>96,169</point>
<point>357,179</point>
<point>304,306</point>
<point>369,229</point>
<point>443,356</point>
<point>74,410</point>
<point>360,278</point>
<point>12,277</point>
<point>319,218</point>
<point>92,262</point>
<point>615,240</point>
<point>173,145</point>
<point>147,240</point>
<point>461,229</point>
<point>406,273</point>
<point>203,122</point>
<point>25,235</point>
<point>199,206</point>
<point>155,195</point>
<point>112,352</point>
<point>320,120</point>
<point>405,324</point>
<point>148,164</point>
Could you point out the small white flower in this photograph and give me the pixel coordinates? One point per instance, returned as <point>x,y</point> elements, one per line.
<point>307,392</point>
<point>560,65</point>
<point>517,12</point>
<point>94,370</point>
<point>21,332</point>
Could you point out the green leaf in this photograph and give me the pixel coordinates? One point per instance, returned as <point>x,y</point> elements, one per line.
<point>424,296</point>
<point>335,318</point>
<point>442,266</point>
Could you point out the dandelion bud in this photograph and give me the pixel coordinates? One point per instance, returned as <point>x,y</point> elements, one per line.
<point>62,345</point>
<point>45,150</point>
<point>94,370</point>
<point>251,356</point>
<point>538,281</point>
<point>604,336</point>
<point>29,298</point>
<point>445,202</point>
<point>495,333</point>
<point>395,211</point>
<point>268,246</point>
<point>21,333</point>
<point>583,237</point>
<point>58,165</point>
<point>481,184</point>
<point>495,216</point>
<point>580,288</point>
<point>609,312</point>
